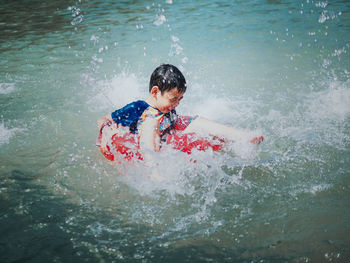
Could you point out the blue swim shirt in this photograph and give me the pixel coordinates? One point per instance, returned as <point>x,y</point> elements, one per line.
<point>130,114</point>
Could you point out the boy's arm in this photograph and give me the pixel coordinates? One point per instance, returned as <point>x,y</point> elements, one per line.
<point>102,120</point>
<point>150,135</point>
<point>150,143</point>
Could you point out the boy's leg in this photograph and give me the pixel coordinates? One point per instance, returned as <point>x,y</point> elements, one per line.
<point>206,127</point>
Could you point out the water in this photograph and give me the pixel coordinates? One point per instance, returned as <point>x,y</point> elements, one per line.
<point>279,67</point>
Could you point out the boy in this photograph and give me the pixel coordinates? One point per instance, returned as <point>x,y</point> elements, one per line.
<point>152,120</point>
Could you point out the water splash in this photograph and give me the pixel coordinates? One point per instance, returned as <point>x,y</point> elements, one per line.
<point>7,133</point>
<point>331,104</point>
<point>76,14</point>
<point>160,20</point>
<point>115,93</point>
<point>7,88</point>
<point>245,204</point>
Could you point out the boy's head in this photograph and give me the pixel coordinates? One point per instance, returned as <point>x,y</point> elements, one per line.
<point>166,87</point>
<point>167,77</point>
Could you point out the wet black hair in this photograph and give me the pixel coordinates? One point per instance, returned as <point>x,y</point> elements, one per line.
<point>167,77</point>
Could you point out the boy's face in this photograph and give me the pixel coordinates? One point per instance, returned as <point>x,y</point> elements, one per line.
<point>168,100</point>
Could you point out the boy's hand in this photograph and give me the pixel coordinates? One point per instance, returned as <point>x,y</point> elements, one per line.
<point>103,120</point>
<point>105,134</point>
<point>257,140</point>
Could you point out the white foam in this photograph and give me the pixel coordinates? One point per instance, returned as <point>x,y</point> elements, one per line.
<point>6,88</point>
<point>312,189</point>
<point>168,173</point>
<point>6,133</point>
<point>176,173</point>
<point>319,188</point>
<point>244,150</point>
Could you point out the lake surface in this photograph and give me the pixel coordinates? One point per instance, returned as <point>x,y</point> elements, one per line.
<point>281,68</point>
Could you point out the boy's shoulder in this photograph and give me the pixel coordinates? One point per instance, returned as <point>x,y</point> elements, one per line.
<point>138,105</point>
<point>129,113</point>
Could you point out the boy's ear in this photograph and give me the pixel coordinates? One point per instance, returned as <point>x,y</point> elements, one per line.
<point>154,90</point>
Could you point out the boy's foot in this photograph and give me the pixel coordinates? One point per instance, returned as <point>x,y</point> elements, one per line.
<point>257,140</point>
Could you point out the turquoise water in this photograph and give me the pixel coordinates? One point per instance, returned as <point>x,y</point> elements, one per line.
<point>281,68</point>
